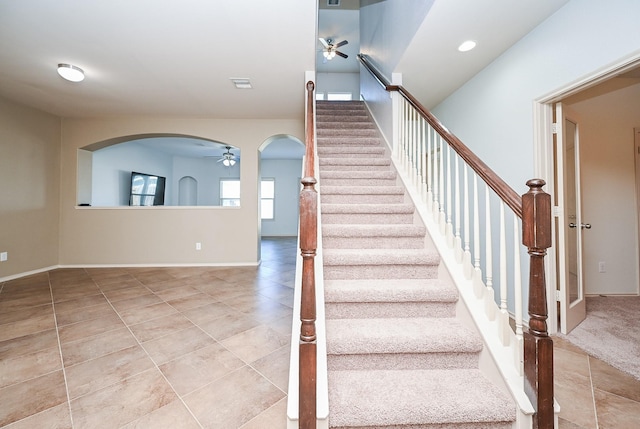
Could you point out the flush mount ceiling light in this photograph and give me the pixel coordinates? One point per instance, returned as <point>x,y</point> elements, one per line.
<point>467,46</point>
<point>241,82</point>
<point>71,72</point>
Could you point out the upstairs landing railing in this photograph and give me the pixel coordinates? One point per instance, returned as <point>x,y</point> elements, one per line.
<point>465,197</point>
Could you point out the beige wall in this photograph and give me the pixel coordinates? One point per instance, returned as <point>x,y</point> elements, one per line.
<point>164,235</point>
<point>608,114</point>
<point>29,188</point>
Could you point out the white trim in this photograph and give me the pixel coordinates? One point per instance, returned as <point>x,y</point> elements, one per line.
<point>28,273</point>
<point>543,155</point>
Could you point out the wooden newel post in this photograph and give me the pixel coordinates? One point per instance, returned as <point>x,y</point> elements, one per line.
<point>538,346</point>
<point>308,246</point>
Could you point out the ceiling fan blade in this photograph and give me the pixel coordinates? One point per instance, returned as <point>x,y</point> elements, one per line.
<point>341,54</point>
<point>324,42</point>
<point>344,42</point>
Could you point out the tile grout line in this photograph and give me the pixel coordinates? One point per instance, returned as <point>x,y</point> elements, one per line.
<point>593,393</point>
<point>147,353</point>
<point>64,371</point>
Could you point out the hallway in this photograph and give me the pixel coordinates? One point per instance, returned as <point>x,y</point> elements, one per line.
<point>149,347</point>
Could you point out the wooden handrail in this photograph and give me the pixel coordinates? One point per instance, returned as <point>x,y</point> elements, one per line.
<point>495,182</point>
<point>308,245</point>
<point>534,208</point>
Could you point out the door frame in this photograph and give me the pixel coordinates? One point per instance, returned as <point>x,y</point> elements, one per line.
<point>544,157</point>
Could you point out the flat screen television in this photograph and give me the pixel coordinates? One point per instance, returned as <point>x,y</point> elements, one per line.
<point>146,189</point>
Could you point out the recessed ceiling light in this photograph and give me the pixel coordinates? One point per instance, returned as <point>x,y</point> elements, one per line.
<point>71,72</point>
<point>467,46</point>
<point>241,82</point>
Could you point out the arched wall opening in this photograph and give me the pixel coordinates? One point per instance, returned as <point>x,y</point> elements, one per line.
<point>105,169</point>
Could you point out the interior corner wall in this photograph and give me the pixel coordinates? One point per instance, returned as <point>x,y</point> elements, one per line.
<point>387,27</point>
<point>129,236</point>
<point>29,190</point>
<point>493,112</point>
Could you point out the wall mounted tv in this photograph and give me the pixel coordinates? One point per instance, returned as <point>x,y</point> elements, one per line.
<point>146,190</point>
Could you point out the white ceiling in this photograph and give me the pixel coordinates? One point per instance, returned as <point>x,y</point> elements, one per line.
<point>175,58</point>
<point>160,58</point>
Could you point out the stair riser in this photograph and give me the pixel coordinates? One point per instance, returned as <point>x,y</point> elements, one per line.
<point>390,271</point>
<point>403,361</point>
<point>372,310</point>
<point>348,141</point>
<point>374,219</point>
<point>329,119</point>
<point>329,242</point>
<point>348,163</point>
<point>351,152</point>
<point>347,132</point>
<point>361,199</point>
<point>345,125</point>
<point>359,182</point>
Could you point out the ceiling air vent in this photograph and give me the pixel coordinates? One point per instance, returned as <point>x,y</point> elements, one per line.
<point>333,2</point>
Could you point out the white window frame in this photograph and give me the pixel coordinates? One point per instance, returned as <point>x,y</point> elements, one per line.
<point>233,201</point>
<point>272,199</point>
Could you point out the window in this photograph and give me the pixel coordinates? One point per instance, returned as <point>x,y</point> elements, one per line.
<point>230,192</point>
<point>339,96</point>
<point>267,198</point>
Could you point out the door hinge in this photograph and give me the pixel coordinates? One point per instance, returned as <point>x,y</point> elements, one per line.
<point>556,211</point>
<point>554,128</point>
<point>558,299</point>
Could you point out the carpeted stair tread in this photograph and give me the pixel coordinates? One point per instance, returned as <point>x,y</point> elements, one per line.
<point>325,131</point>
<point>417,399</point>
<point>346,162</point>
<point>373,231</point>
<point>362,190</point>
<point>358,174</point>
<point>392,290</point>
<point>348,141</point>
<point>350,151</point>
<point>380,257</point>
<point>368,208</point>
<point>400,335</point>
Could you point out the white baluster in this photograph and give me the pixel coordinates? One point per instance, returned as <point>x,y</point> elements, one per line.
<point>505,329</point>
<point>449,212</point>
<point>458,239</point>
<point>489,297</point>
<point>441,215</point>
<point>517,283</point>
<point>479,286</point>
<point>429,167</point>
<point>436,176</point>
<point>468,266</point>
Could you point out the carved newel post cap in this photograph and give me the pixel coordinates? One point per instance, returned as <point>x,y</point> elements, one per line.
<point>536,216</point>
<point>310,86</point>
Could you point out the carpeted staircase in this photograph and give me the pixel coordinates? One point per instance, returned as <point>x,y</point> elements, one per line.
<point>397,355</point>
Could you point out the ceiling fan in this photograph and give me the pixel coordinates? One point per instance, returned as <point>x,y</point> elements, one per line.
<point>329,50</point>
<point>228,159</point>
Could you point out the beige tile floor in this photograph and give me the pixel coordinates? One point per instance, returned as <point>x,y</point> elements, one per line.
<point>591,393</point>
<point>197,348</point>
<point>149,347</point>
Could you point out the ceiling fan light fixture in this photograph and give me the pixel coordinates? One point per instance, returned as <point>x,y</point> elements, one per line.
<point>467,46</point>
<point>70,72</point>
<point>229,162</point>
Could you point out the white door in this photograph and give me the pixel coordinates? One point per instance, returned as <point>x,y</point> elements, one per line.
<point>569,223</point>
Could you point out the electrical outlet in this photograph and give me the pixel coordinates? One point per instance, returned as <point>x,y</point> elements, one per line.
<point>198,246</point>
<point>602,268</point>
<point>4,256</point>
